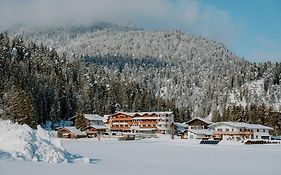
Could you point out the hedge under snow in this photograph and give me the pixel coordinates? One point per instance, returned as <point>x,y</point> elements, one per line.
<point>20,142</point>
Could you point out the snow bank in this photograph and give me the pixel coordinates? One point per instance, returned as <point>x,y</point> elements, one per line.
<point>20,142</point>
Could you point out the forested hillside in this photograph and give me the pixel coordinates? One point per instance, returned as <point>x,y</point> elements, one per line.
<point>194,75</point>
<point>38,85</point>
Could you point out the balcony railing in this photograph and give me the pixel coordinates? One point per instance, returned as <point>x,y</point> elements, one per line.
<point>120,128</point>
<point>120,119</point>
<point>233,133</point>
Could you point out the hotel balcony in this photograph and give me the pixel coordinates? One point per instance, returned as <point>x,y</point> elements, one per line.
<point>120,119</point>
<point>233,133</point>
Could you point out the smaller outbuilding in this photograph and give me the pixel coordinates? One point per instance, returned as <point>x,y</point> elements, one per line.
<point>70,132</point>
<point>95,130</point>
<point>202,134</point>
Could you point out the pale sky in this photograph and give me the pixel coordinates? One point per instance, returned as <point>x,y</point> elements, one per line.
<point>250,28</point>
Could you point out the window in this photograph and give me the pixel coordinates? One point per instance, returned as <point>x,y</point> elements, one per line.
<point>257,137</point>
<point>263,130</point>
<point>219,129</point>
<point>232,129</point>
<point>258,130</point>
<point>226,129</point>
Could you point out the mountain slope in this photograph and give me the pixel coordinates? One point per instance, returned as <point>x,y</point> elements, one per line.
<point>197,74</point>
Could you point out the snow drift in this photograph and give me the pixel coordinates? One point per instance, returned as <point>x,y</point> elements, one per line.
<point>20,142</point>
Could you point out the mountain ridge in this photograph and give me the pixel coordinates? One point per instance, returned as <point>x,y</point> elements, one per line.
<point>193,72</point>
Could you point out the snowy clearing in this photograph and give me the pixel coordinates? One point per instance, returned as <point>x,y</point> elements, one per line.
<point>157,156</point>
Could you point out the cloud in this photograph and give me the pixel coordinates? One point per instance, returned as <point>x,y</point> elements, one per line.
<point>188,15</point>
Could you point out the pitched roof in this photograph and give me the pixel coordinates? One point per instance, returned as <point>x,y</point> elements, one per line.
<point>74,130</point>
<point>183,125</point>
<point>242,125</point>
<point>133,114</point>
<point>199,118</point>
<point>98,126</point>
<point>93,117</point>
<point>146,118</point>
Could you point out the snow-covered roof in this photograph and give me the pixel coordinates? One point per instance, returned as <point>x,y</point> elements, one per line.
<point>199,118</point>
<point>98,126</point>
<point>241,125</point>
<point>132,114</point>
<point>145,129</point>
<point>183,125</point>
<point>74,130</point>
<point>201,131</point>
<point>92,117</point>
<point>146,118</point>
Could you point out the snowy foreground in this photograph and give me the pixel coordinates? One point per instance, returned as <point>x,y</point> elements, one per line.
<point>20,142</point>
<point>154,156</point>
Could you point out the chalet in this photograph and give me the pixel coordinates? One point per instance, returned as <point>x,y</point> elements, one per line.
<point>70,132</point>
<point>140,122</point>
<point>120,122</point>
<point>197,128</point>
<point>94,124</point>
<point>240,131</point>
<point>198,123</point>
<point>145,123</point>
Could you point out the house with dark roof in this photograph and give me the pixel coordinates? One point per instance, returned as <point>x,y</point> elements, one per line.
<point>198,123</point>
<point>197,128</point>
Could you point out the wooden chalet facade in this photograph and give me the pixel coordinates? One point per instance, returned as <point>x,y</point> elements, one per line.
<point>120,122</point>
<point>93,124</point>
<point>197,128</point>
<point>198,123</point>
<point>70,132</point>
<point>146,123</point>
<point>140,122</point>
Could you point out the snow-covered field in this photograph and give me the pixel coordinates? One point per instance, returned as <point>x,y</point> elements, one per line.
<point>27,151</point>
<point>156,156</point>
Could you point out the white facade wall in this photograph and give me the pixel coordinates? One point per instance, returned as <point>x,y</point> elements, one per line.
<point>261,134</point>
<point>164,123</point>
<point>226,128</point>
<point>258,134</point>
<point>191,135</point>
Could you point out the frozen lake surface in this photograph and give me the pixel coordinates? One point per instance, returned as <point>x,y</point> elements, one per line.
<point>156,156</point>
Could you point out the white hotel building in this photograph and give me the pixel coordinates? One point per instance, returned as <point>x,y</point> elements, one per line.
<point>240,131</point>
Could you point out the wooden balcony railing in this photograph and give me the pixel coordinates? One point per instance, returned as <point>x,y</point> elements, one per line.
<point>120,128</point>
<point>121,119</point>
<point>145,123</point>
<point>233,133</point>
